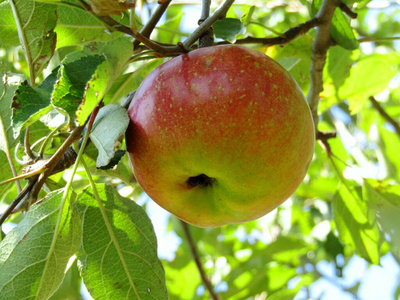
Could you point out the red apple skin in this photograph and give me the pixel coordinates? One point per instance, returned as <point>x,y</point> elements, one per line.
<point>230,113</point>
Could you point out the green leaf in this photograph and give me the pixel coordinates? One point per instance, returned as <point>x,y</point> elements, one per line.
<point>121,171</point>
<point>295,57</point>
<point>117,53</point>
<point>77,27</point>
<point>8,30</point>
<point>182,280</point>
<point>368,77</point>
<point>34,255</point>
<point>389,143</point>
<point>118,257</point>
<point>339,63</point>
<point>71,285</point>
<point>9,85</point>
<point>356,223</point>
<point>385,201</point>
<point>341,31</point>
<point>77,69</point>
<point>35,22</point>
<point>29,105</point>
<point>228,28</point>
<point>108,131</point>
<point>114,160</point>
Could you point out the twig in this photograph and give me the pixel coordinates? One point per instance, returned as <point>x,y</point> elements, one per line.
<point>206,282</point>
<point>374,40</point>
<point>151,24</point>
<point>324,136</point>
<point>320,47</point>
<point>27,146</point>
<point>54,162</point>
<point>204,26</point>
<point>12,167</point>
<point>286,37</point>
<point>385,115</point>
<point>206,39</point>
<point>115,25</point>
<point>347,10</point>
<point>17,200</point>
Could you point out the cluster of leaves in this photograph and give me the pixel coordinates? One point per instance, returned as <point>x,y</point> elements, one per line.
<point>60,61</point>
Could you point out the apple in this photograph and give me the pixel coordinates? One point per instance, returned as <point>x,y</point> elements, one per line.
<point>220,135</point>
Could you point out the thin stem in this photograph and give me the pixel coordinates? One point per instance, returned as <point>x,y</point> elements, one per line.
<point>344,8</point>
<point>24,41</point>
<point>384,39</point>
<point>204,26</point>
<point>23,176</point>
<point>207,284</point>
<point>385,115</point>
<point>286,37</point>
<point>27,146</point>
<point>206,39</point>
<point>205,9</point>
<point>48,138</point>
<point>16,201</point>
<point>151,24</point>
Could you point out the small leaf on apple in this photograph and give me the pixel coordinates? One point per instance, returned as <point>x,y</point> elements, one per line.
<point>107,132</point>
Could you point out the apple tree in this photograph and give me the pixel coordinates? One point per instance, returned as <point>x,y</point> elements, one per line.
<point>72,210</point>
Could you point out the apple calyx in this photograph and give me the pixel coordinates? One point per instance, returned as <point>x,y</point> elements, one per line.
<point>201,180</point>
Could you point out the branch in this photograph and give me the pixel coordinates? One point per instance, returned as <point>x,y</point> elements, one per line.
<point>385,115</point>
<point>207,39</point>
<point>286,37</point>
<point>151,24</point>
<point>376,40</point>
<point>114,25</point>
<point>206,282</point>
<point>204,26</point>
<point>320,47</point>
<point>324,136</point>
<point>344,8</point>
<point>17,200</point>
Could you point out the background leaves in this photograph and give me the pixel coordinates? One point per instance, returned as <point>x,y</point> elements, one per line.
<point>35,22</point>
<point>44,242</point>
